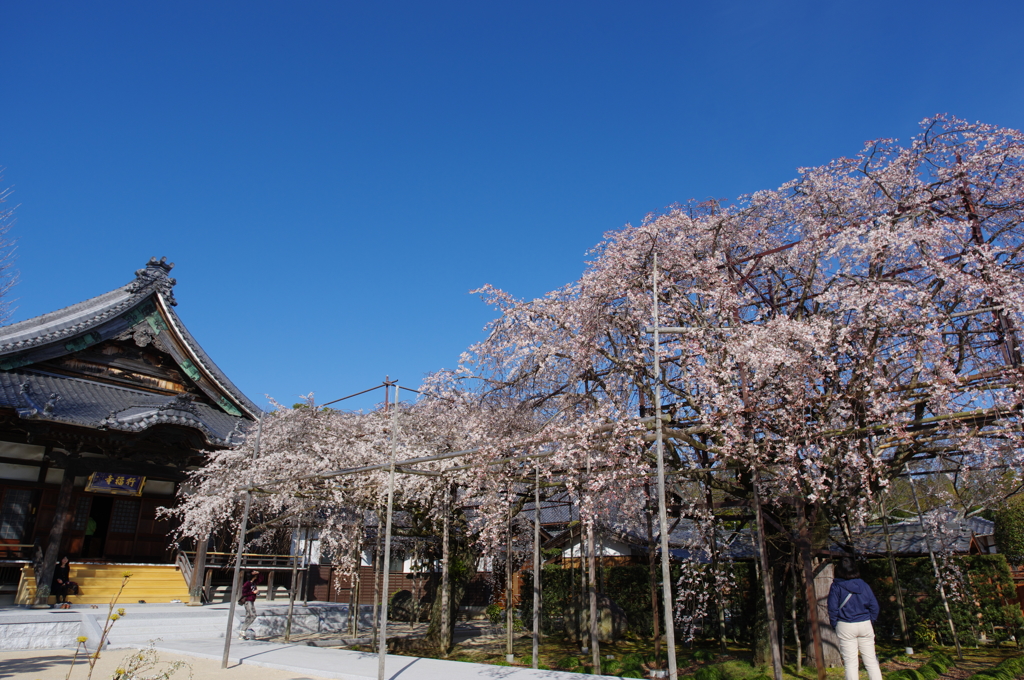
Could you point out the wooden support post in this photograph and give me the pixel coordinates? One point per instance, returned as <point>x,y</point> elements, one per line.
<point>809,592</point>
<point>446,585</point>
<point>895,577</point>
<point>595,644</point>
<point>536,567</point>
<point>666,576</point>
<point>935,564</point>
<point>382,646</point>
<point>652,556</point>
<point>236,579</point>
<point>766,582</point>
<point>61,518</point>
<point>291,598</point>
<point>270,585</point>
<point>195,586</point>
<point>508,582</point>
<point>355,582</point>
<point>796,622</point>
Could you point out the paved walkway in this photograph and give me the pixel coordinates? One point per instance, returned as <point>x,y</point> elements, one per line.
<point>344,664</point>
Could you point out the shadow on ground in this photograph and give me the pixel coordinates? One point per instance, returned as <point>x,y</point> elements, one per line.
<point>14,668</point>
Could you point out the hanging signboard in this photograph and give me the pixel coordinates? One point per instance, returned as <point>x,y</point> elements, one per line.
<point>116,484</point>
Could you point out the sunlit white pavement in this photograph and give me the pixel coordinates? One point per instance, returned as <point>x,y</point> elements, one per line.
<point>344,664</point>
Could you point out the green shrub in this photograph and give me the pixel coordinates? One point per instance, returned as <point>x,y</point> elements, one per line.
<point>1008,669</point>
<point>1009,533</point>
<point>571,663</point>
<point>715,672</point>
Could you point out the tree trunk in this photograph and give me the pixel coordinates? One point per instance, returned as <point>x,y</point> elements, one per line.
<point>61,517</point>
<point>461,568</point>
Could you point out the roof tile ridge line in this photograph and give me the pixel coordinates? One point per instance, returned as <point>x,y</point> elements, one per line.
<point>91,383</point>
<point>67,307</point>
<point>97,319</point>
<point>179,329</point>
<point>212,369</point>
<point>142,423</point>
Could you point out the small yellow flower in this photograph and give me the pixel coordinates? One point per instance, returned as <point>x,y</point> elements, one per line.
<point>114,617</point>
<point>121,611</point>
<point>126,574</point>
<point>82,638</point>
<point>119,671</point>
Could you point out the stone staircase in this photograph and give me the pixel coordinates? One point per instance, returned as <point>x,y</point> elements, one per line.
<point>98,583</point>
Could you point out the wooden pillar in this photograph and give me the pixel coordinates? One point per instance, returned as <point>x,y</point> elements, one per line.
<point>195,586</point>
<point>270,585</point>
<point>61,517</point>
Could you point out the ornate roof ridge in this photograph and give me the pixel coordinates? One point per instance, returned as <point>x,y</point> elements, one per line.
<point>92,320</point>
<point>212,368</point>
<point>74,319</point>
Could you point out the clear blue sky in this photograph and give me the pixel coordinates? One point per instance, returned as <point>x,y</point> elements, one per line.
<point>333,178</point>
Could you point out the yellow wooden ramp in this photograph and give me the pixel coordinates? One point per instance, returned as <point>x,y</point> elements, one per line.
<point>98,583</point>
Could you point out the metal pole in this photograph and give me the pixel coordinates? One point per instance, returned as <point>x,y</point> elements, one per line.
<point>536,567</point>
<point>595,644</point>
<point>895,575</point>
<point>241,547</point>
<point>382,646</point>
<point>666,575</point>
<point>766,578</point>
<point>446,616</point>
<point>307,554</point>
<point>935,564</point>
<point>509,652</point>
<point>291,595</point>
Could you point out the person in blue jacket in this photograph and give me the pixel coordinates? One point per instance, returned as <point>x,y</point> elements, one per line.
<point>852,608</point>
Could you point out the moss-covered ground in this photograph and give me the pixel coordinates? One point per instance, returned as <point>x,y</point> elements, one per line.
<point>630,658</point>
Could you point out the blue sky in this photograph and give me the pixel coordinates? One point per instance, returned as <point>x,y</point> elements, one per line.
<point>332,179</point>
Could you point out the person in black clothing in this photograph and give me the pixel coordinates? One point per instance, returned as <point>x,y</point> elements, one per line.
<point>852,608</point>
<point>61,580</point>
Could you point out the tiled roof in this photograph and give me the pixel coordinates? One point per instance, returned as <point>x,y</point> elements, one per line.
<point>54,398</point>
<point>950,534</point>
<point>56,333</point>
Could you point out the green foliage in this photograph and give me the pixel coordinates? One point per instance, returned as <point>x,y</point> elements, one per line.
<point>936,665</point>
<point>1009,533</point>
<point>610,667</point>
<point>713,672</point>
<point>990,605</point>
<point>495,614</point>
<point>630,588</point>
<point>1007,669</point>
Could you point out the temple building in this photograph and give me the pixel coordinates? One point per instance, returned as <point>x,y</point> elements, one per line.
<point>104,407</point>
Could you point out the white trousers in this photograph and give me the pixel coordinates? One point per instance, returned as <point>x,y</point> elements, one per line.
<point>854,637</point>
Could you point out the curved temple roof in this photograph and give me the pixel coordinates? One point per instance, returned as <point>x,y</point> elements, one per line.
<point>141,309</point>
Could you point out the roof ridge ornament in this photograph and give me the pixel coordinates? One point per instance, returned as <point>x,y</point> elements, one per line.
<point>183,401</point>
<point>156,273</point>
